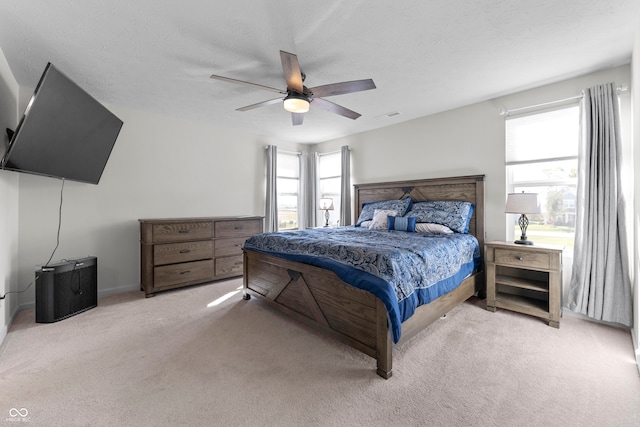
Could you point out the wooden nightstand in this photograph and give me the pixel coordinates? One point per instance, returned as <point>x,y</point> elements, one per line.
<point>526,279</point>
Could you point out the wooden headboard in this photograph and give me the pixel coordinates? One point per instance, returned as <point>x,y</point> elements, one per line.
<point>469,188</point>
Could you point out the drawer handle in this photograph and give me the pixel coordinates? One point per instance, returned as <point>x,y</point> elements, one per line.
<point>239,227</point>
<point>185,251</point>
<point>185,272</point>
<point>519,258</point>
<point>183,231</point>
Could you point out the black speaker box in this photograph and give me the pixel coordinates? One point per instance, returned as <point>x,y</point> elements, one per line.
<point>66,288</point>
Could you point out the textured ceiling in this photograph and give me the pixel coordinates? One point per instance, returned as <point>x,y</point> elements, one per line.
<point>424,56</point>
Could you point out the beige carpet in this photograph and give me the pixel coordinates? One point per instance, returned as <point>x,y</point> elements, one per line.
<point>178,359</point>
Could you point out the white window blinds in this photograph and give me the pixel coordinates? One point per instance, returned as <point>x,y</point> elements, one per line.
<point>551,135</point>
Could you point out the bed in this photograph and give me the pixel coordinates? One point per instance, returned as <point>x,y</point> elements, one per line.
<point>357,315</point>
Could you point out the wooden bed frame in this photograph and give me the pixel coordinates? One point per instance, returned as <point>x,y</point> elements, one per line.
<point>319,299</point>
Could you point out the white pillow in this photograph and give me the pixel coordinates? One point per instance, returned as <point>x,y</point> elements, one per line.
<point>379,221</point>
<point>427,227</point>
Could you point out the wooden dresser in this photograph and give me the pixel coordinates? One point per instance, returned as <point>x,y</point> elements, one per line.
<point>177,252</point>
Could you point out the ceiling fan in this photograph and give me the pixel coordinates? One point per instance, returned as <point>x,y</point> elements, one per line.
<point>298,96</point>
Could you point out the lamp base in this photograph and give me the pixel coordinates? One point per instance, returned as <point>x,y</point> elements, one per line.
<point>523,242</point>
<point>523,222</point>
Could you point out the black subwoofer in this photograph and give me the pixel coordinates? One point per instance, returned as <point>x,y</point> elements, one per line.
<point>66,288</point>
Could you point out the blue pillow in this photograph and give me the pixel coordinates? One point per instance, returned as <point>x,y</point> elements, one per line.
<point>401,206</point>
<point>401,223</point>
<point>455,214</point>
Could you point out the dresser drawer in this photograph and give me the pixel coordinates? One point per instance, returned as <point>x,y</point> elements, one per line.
<point>172,253</point>
<point>239,227</point>
<point>523,259</point>
<point>225,247</point>
<point>176,232</point>
<point>229,266</point>
<point>188,272</point>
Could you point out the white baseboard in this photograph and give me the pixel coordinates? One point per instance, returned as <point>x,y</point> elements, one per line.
<point>31,304</point>
<point>5,330</point>
<point>636,348</point>
<point>3,334</point>
<point>118,290</point>
<point>101,293</point>
<point>634,340</point>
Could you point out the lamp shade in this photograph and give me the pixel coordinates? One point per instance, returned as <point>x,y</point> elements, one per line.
<point>296,103</point>
<point>326,204</point>
<point>522,203</point>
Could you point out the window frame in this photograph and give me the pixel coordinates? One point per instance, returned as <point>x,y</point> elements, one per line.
<point>280,176</point>
<point>334,216</point>
<point>513,185</point>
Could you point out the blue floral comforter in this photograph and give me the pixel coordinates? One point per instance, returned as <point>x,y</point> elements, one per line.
<point>403,269</point>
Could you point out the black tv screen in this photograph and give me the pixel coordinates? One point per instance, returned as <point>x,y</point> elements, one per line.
<point>64,132</point>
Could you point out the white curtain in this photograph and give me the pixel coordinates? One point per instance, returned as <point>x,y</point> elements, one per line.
<point>345,186</point>
<point>271,208</point>
<point>312,189</point>
<point>600,285</point>
<point>306,207</point>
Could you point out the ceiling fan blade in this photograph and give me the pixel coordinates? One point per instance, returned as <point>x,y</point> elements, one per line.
<point>260,104</point>
<point>230,80</point>
<point>297,118</point>
<point>291,70</point>
<point>334,108</point>
<point>342,88</point>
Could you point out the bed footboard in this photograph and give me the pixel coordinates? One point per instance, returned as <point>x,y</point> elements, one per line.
<point>319,299</point>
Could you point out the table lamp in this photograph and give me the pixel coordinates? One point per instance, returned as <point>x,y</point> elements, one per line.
<point>523,203</point>
<point>326,205</point>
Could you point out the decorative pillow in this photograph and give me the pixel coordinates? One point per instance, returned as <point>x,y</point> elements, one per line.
<point>426,227</point>
<point>401,223</point>
<point>401,206</point>
<point>455,214</point>
<point>379,221</point>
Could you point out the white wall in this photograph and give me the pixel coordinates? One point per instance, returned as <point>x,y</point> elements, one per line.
<point>8,202</point>
<point>465,141</point>
<point>635,68</point>
<point>160,167</point>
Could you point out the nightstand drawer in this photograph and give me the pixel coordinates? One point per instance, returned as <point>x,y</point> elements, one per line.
<point>522,259</point>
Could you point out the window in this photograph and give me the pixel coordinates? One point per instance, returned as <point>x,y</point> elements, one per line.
<point>329,183</point>
<point>542,157</point>
<point>288,189</point>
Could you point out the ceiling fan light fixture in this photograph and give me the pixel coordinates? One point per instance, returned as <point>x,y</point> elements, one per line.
<point>296,103</point>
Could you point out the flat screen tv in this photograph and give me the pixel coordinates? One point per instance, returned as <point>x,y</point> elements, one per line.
<point>64,132</point>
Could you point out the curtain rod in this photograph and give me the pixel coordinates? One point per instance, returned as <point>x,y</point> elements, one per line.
<point>296,153</point>
<point>329,152</point>
<point>505,112</point>
<point>292,153</point>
